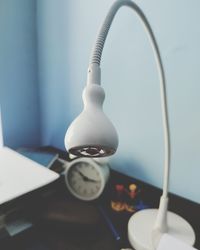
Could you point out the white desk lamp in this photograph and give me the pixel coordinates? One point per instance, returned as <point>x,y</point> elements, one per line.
<point>92,135</point>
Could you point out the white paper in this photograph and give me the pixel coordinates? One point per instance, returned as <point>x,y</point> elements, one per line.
<point>18,226</point>
<point>167,242</point>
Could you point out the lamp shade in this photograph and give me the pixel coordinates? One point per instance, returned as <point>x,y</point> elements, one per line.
<point>92,134</point>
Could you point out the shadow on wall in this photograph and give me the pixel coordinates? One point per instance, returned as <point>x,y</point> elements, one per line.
<point>18,74</point>
<point>128,166</point>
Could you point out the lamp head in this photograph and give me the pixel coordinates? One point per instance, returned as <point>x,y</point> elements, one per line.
<point>92,134</point>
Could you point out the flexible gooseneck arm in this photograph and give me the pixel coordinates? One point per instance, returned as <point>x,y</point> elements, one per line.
<point>94,77</point>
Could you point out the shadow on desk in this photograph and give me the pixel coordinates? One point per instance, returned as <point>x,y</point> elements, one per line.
<point>64,224</point>
<point>41,238</point>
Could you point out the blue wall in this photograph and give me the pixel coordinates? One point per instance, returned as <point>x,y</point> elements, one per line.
<point>65,34</point>
<point>18,73</point>
<point>53,59</point>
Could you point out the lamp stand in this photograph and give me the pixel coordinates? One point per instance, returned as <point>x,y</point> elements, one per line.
<point>141,225</point>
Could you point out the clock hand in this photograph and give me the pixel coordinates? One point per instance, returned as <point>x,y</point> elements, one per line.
<point>92,180</point>
<point>81,174</point>
<point>85,178</point>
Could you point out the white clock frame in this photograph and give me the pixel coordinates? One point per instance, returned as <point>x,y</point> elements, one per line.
<point>102,169</point>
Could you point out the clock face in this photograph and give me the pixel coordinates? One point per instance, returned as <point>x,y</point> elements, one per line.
<point>84,180</point>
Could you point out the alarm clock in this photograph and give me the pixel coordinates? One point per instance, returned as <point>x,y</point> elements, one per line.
<point>86,178</point>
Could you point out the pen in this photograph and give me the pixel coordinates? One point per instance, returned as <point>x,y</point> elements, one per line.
<point>110,224</point>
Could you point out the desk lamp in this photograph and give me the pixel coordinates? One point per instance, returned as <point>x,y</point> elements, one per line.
<point>92,134</point>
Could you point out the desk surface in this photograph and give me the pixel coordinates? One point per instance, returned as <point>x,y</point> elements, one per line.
<point>44,236</point>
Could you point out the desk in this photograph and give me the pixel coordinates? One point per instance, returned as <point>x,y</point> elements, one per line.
<point>47,237</point>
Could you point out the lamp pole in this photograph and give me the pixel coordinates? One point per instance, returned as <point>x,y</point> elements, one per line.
<point>94,77</point>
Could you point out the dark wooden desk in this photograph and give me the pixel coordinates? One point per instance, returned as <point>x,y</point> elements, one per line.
<point>44,236</point>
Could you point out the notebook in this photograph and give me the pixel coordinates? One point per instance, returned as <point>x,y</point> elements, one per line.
<point>20,175</point>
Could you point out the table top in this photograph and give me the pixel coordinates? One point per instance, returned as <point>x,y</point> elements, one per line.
<point>75,230</point>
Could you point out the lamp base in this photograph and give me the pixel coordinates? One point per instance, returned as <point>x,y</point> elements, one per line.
<point>141,224</point>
